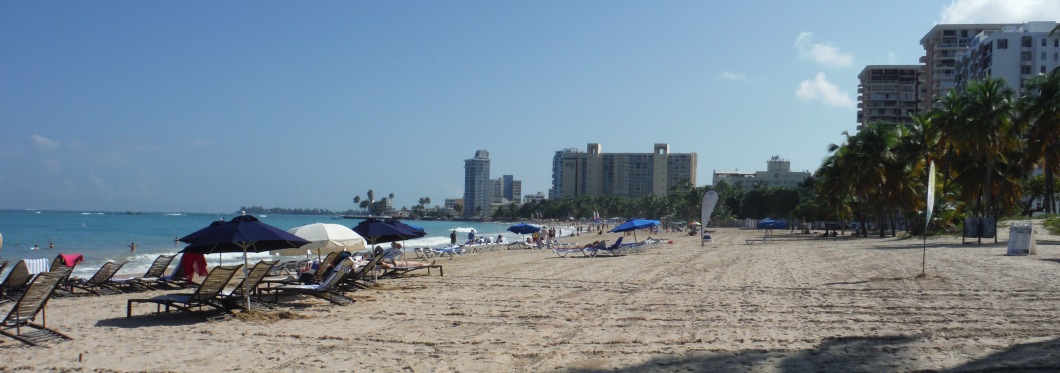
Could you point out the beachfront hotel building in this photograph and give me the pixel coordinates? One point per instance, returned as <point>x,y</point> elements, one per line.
<point>888,94</point>
<point>507,190</point>
<point>777,174</point>
<point>595,173</point>
<point>477,185</point>
<point>1013,53</point>
<point>942,46</point>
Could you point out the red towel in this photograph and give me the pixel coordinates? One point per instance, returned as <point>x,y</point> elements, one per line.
<point>194,263</point>
<point>70,260</point>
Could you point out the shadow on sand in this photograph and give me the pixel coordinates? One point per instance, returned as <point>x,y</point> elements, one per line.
<point>853,354</point>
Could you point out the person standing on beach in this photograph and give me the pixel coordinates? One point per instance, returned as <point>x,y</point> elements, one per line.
<point>471,235</point>
<point>452,238</point>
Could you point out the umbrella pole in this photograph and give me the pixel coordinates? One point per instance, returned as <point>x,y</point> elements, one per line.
<point>246,292</point>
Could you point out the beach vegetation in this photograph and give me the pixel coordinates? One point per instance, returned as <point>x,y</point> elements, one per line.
<point>985,141</point>
<point>1052,224</point>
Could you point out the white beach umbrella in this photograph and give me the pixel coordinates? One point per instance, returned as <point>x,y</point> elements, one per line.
<point>324,239</point>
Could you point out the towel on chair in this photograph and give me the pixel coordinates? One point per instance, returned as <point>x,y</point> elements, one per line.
<point>194,263</point>
<point>70,260</point>
<point>36,266</point>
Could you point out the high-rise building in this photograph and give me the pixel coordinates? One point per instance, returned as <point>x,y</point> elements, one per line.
<point>512,189</point>
<point>888,94</point>
<point>942,45</point>
<point>1013,53</point>
<point>594,173</point>
<point>477,185</point>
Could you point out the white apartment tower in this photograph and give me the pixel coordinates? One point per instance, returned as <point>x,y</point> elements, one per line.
<point>888,94</point>
<point>1013,53</point>
<point>942,45</point>
<point>477,185</point>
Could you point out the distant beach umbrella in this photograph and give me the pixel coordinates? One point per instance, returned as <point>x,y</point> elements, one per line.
<point>524,228</point>
<point>324,239</point>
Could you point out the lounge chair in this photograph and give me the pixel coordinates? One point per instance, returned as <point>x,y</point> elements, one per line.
<point>206,295</point>
<point>563,250</point>
<point>317,276</point>
<point>19,278</point>
<point>394,271</point>
<point>359,278</point>
<point>238,297</point>
<point>150,279</point>
<point>328,289</point>
<point>26,308</point>
<point>99,283</point>
<point>615,248</point>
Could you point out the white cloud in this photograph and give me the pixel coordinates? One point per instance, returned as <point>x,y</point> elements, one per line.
<point>736,77</point>
<point>1000,11</point>
<point>820,89</point>
<point>43,143</point>
<point>824,53</point>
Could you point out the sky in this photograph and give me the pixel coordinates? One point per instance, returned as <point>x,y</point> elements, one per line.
<point>205,106</point>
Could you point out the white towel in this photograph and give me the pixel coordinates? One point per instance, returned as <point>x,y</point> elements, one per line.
<point>36,266</point>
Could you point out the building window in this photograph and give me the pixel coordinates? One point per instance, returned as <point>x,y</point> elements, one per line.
<point>1056,43</point>
<point>1025,70</point>
<point>1026,42</point>
<point>1043,42</point>
<point>1043,56</point>
<point>1025,56</point>
<point>1043,70</point>
<point>1003,43</point>
<point>1056,56</point>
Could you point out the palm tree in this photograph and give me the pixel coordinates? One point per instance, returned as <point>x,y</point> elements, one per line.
<point>988,133</point>
<point>1040,109</point>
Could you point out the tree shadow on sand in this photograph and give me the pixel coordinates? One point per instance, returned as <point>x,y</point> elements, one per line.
<point>852,354</point>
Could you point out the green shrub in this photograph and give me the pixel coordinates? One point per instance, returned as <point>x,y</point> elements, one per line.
<point>1052,224</point>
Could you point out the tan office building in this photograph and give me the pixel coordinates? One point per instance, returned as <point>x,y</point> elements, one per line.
<point>595,173</point>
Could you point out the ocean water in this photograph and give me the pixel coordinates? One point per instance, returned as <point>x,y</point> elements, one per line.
<point>105,236</point>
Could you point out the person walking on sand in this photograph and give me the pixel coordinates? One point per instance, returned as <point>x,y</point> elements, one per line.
<point>132,246</point>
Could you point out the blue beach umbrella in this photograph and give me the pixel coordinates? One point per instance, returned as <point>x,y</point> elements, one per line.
<point>524,228</point>
<point>633,225</point>
<point>379,231</point>
<point>244,234</point>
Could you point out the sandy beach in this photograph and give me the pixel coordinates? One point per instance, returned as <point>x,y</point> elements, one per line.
<point>800,303</point>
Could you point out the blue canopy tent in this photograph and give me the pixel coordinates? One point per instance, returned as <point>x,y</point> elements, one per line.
<point>768,223</point>
<point>633,225</point>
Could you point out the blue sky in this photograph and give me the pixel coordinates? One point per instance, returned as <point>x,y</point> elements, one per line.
<point>206,106</point>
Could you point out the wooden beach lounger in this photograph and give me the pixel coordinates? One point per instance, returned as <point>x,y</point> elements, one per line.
<point>206,295</point>
<point>28,306</point>
<point>99,283</point>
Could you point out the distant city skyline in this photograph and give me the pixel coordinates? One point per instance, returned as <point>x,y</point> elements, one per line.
<point>205,107</point>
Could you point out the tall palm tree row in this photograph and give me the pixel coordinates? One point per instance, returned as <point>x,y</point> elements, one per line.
<point>985,139</point>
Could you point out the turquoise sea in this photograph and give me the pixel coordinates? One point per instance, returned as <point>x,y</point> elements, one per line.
<point>105,236</point>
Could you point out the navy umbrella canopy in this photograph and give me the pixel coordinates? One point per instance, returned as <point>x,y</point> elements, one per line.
<point>417,230</point>
<point>523,228</point>
<point>242,234</point>
<point>634,225</point>
<point>378,231</point>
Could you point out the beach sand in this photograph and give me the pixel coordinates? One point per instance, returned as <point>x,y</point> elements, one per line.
<point>800,303</point>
